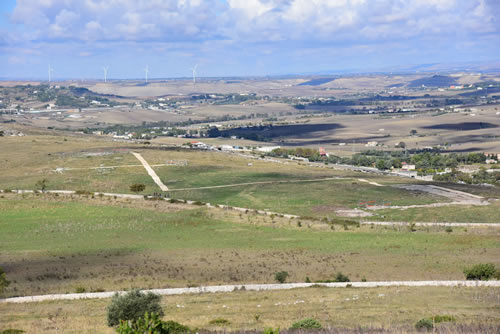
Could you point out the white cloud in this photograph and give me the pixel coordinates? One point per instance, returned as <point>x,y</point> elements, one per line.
<point>355,21</point>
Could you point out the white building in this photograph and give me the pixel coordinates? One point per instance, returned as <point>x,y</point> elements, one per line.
<point>268,149</point>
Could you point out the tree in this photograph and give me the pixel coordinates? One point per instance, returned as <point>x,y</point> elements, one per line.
<point>341,278</point>
<point>3,281</point>
<point>132,306</point>
<point>151,323</point>
<point>281,276</point>
<point>137,187</point>
<point>482,272</point>
<point>380,164</point>
<point>41,184</point>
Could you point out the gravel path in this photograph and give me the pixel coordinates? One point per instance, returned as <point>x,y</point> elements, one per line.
<point>263,182</point>
<point>269,213</point>
<point>252,287</point>
<point>151,172</point>
<point>431,224</point>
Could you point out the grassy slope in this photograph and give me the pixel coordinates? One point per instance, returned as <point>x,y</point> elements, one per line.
<point>377,307</point>
<point>52,245</point>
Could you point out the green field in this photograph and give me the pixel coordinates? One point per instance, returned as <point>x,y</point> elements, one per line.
<point>458,214</point>
<point>27,160</point>
<point>55,244</point>
<point>394,309</point>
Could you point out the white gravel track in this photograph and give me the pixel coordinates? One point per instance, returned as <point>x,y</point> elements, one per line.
<point>252,287</point>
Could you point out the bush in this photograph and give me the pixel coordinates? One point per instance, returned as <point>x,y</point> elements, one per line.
<point>80,289</point>
<point>281,276</point>
<point>137,187</point>
<point>83,192</point>
<point>151,323</point>
<point>443,318</point>
<point>132,306</point>
<point>424,324</point>
<point>12,331</point>
<point>341,278</point>
<point>41,185</point>
<point>482,272</point>
<point>3,281</point>
<point>220,322</point>
<point>271,331</point>
<point>308,323</point>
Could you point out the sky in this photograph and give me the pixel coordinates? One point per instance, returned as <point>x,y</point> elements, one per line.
<point>77,38</point>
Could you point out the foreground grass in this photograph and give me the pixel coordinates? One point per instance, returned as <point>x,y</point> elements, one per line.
<point>54,244</point>
<point>348,308</point>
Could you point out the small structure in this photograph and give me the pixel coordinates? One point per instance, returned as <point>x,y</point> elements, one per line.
<point>371,144</point>
<point>199,145</point>
<point>407,167</point>
<point>267,149</point>
<point>322,152</point>
<point>293,157</point>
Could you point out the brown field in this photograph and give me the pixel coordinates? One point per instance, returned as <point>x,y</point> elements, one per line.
<point>395,309</point>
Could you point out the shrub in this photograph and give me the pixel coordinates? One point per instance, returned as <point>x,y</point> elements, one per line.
<point>424,324</point>
<point>173,327</point>
<point>271,331</point>
<point>220,322</point>
<point>448,229</point>
<point>3,281</point>
<point>281,276</point>
<point>41,185</point>
<point>80,289</point>
<point>482,271</point>
<point>151,323</point>
<point>132,306</point>
<point>341,277</point>
<point>83,192</point>
<point>137,187</point>
<point>308,323</point>
<point>12,331</point>
<point>443,318</point>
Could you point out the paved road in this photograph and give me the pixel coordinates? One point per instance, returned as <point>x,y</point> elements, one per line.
<point>252,287</point>
<point>150,171</point>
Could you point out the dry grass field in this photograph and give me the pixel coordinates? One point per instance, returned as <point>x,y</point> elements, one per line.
<point>390,308</point>
<point>56,244</point>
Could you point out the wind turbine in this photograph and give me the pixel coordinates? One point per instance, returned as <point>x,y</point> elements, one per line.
<point>194,73</point>
<point>146,70</point>
<point>105,69</point>
<point>50,73</point>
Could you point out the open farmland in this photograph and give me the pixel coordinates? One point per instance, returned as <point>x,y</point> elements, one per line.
<point>395,309</point>
<point>112,244</point>
<point>77,163</point>
<point>87,241</point>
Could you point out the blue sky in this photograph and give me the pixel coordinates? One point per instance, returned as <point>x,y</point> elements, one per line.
<point>240,37</point>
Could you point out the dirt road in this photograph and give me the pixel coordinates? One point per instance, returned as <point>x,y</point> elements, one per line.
<point>252,287</point>
<point>151,172</point>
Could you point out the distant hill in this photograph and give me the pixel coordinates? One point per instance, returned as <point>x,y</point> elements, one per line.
<point>316,82</point>
<point>434,81</point>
